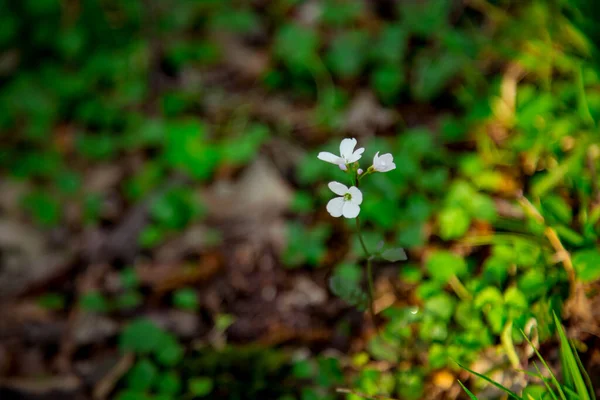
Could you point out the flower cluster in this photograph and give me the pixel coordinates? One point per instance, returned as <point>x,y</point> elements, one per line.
<point>350,198</point>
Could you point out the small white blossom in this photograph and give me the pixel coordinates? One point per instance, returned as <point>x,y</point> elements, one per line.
<point>343,167</point>
<point>360,171</point>
<point>346,205</point>
<point>384,163</point>
<point>347,153</point>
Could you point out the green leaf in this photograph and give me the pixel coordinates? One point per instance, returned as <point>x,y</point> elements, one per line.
<point>303,369</point>
<point>236,21</point>
<point>296,46</point>
<point>241,149</point>
<point>394,254</point>
<point>425,18</point>
<point>128,300</point>
<point>101,146</point>
<point>45,208</point>
<point>94,301</point>
<point>490,296</point>
<point>442,265</point>
<point>175,208</point>
<point>132,395</point>
<point>142,375</point>
<point>390,46</point>
<point>513,297</point>
<point>330,372</point>
<point>341,12</point>
<point>533,283</point>
<point>302,202</point>
<point>186,299</point>
<point>52,301</point>
<point>434,330</point>
<point>186,149</point>
<point>557,174</point>
<point>442,305</point>
<point>432,73</point>
<point>168,351</point>
<point>151,236</point>
<point>349,291</point>
<point>347,53</point>
<point>410,384</point>
<point>388,81</point>
<point>200,386</point>
<point>169,383</point>
<point>129,278</point>
<point>556,209</point>
<point>140,336</point>
<point>454,223</point>
<point>305,245</point>
<point>411,274</point>
<point>587,264</point>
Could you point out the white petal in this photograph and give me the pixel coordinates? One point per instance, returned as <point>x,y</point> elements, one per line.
<point>356,155</point>
<point>347,148</point>
<point>338,188</point>
<point>376,158</point>
<point>330,158</point>
<point>335,207</point>
<point>388,158</point>
<point>356,194</point>
<point>350,210</point>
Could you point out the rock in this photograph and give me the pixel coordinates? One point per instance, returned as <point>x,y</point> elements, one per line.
<point>181,323</point>
<point>304,293</point>
<point>367,116</point>
<point>103,178</point>
<point>260,192</point>
<point>92,328</point>
<point>193,240</point>
<point>25,260</point>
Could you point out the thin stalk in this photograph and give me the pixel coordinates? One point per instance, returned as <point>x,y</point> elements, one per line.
<point>460,289</point>
<point>371,286</point>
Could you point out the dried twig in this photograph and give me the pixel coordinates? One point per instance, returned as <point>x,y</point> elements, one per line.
<point>109,381</point>
<point>562,254</point>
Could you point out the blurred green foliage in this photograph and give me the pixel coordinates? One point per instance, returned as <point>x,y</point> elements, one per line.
<point>505,98</point>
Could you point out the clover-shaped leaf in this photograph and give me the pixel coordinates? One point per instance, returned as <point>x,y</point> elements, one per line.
<point>394,254</point>
<point>349,291</point>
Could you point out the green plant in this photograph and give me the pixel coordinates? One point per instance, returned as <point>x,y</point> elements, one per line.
<point>576,383</point>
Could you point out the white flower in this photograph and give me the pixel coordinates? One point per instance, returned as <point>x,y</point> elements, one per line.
<point>347,153</point>
<point>384,163</point>
<point>346,205</point>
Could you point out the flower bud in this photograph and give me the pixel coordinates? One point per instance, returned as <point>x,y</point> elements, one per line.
<point>343,167</point>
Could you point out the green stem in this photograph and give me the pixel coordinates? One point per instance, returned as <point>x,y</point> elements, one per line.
<point>371,286</point>
<point>360,238</point>
<point>460,289</point>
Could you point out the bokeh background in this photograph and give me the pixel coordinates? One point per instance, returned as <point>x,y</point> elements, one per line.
<point>163,232</point>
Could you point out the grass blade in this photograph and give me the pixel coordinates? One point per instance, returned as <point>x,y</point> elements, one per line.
<point>469,393</point>
<point>588,381</point>
<point>570,365</point>
<point>552,376</point>
<point>489,380</point>
<point>545,382</point>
